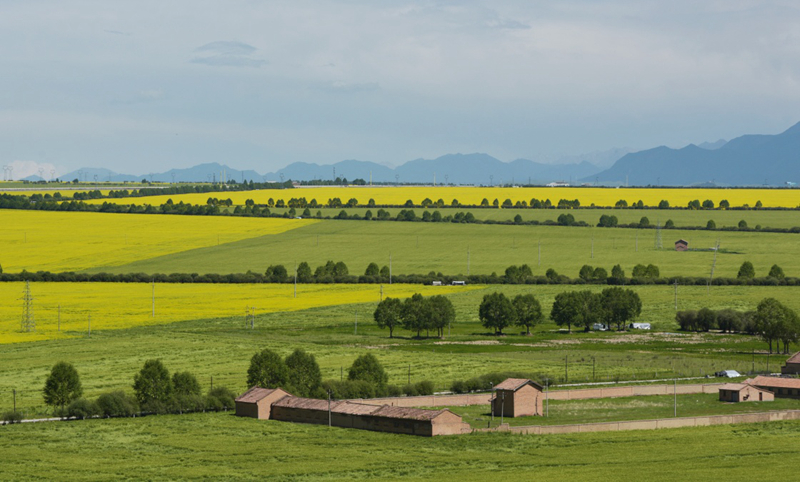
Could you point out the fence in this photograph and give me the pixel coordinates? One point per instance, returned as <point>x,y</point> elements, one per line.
<point>704,421</point>
<point>579,394</point>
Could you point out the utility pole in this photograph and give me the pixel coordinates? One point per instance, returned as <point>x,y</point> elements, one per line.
<point>675,392</point>
<point>15,399</point>
<point>676,295</point>
<point>355,331</point>
<point>502,406</point>
<point>28,323</point>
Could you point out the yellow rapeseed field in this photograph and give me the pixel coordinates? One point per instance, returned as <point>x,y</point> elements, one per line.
<point>113,306</point>
<point>474,195</point>
<point>73,241</point>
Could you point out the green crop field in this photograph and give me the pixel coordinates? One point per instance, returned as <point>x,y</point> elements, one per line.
<point>591,216</point>
<point>424,247</point>
<point>222,446</point>
<point>221,347</point>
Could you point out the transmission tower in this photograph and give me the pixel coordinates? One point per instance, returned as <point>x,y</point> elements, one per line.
<point>28,321</point>
<point>659,244</point>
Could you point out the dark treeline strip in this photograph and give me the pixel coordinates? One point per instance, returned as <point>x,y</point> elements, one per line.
<point>214,207</point>
<point>494,279</point>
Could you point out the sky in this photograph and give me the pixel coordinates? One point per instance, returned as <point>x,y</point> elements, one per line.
<point>145,86</point>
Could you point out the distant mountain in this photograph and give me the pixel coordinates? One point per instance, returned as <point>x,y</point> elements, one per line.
<point>91,174</point>
<point>712,145</point>
<point>350,169</point>
<point>209,172</point>
<point>747,160</point>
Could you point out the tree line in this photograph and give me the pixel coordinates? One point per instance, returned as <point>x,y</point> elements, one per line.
<point>299,374</point>
<point>772,321</point>
<point>155,391</point>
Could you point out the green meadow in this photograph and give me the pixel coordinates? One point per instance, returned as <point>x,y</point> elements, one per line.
<point>418,247</point>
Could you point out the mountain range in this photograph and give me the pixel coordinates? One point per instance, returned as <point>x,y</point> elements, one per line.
<point>749,160</point>
<point>744,161</point>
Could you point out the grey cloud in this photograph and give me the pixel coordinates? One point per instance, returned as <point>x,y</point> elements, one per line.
<point>507,24</point>
<point>227,54</point>
<point>339,86</point>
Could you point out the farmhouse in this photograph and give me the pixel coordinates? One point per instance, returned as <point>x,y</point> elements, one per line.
<point>681,245</point>
<point>279,405</point>
<point>781,387</point>
<point>792,366</point>
<point>741,392</point>
<point>257,402</point>
<point>518,397</point>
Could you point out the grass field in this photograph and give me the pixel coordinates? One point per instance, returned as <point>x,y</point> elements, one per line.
<point>112,306</point>
<point>73,241</point>
<point>474,195</point>
<point>222,346</point>
<point>681,217</point>
<point>221,446</point>
<point>442,247</point>
<point>564,412</point>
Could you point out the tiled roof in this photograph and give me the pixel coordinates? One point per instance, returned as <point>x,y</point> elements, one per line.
<point>774,382</point>
<point>515,384</point>
<point>794,358</point>
<point>733,386</point>
<point>408,413</point>
<point>255,394</point>
<point>305,403</point>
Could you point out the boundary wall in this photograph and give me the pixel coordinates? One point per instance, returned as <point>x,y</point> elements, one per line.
<point>772,416</point>
<point>580,394</point>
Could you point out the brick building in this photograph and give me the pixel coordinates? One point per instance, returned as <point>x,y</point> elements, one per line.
<point>518,397</point>
<point>681,245</point>
<point>741,392</point>
<point>279,405</point>
<point>257,402</point>
<point>792,366</point>
<point>781,387</point>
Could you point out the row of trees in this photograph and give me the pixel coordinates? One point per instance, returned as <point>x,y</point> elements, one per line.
<point>415,314</point>
<point>772,321</point>
<point>155,392</point>
<point>612,306</point>
<point>299,374</point>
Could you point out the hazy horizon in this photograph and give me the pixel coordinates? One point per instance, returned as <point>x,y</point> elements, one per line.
<point>146,86</point>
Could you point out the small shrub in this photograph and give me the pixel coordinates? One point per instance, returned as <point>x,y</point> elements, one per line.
<point>221,398</point>
<point>82,409</point>
<point>12,417</point>
<point>117,404</point>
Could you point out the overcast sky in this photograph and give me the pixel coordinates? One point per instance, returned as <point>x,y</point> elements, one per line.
<point>145,86</point>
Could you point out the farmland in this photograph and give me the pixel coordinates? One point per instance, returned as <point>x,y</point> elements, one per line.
<point>58,241</point>
<point>788,198</point>
<point>216,341</point>
<point>226,447</point>
<point>443,247</point>
<point>70,309</point>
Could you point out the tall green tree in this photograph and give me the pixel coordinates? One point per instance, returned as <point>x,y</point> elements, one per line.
<point>574,308</point>
<point>152,384</point>
<point>746,271</point>
<point>267,370</point>
<point>414,314</point>
<point>617,306</point>
<point>769,319</point>
<point>496,312</point>
<point>776,272</point>
<point>441,313</point>
<point>367,368</point>
<point>304,378</point>
<point>528,311</point>
<point>62,386</point>
<point>304,272</point>
<point>372,270</point>
<point>389,314</point>
<point>184,383</point>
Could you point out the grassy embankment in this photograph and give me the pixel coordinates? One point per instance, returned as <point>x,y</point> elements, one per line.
<point>222,446</point>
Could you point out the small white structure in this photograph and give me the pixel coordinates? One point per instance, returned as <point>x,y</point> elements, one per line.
<point>639,326</point>
<point>459,283</point>
<point>599,327</point>
<point>558,184</point>
<point>728,374</point>
<point>436,283</point>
